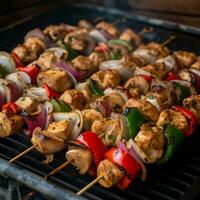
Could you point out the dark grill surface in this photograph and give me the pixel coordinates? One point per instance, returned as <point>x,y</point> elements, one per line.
<point>179,179</point>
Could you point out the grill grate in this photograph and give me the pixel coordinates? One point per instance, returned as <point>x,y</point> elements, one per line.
<point>176,180</point>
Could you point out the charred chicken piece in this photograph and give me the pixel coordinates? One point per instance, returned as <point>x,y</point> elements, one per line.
<point>176,118</point>
<point>27,104</point>
<point>192,103</point>
<point>151,52</point>
<point>130,36</point>
<point>98,57</point>
<point>59,131</point>
<point>107,78</point>
<point>111,173</point>
<point>184,58</point>
<point>150,140</point>
<point>89,116</point>
<point>30,49</point>
<point>10,123</point>
<point>74,98</point>
<point>83,64</point>
<point>109,28</point>
<point>58,80</point>
<point>145,107</point>
<point>108,129</point>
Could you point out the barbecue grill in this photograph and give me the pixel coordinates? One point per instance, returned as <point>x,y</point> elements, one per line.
<point>179,179</point>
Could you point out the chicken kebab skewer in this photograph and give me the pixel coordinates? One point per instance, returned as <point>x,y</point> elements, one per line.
<point>23,154</point>
<point>136,114</point>
<point>118,163</point>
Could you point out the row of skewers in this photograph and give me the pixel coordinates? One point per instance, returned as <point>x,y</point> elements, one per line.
<point>113,102</point>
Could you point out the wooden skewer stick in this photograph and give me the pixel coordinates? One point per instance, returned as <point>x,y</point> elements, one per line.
<point>145,30</point>
<point>22,153</point>
<point>88,186</point>
<point>166,42</point>
<point>56,170</point>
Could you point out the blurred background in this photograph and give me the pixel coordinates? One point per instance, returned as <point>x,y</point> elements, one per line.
<point>186,12</point>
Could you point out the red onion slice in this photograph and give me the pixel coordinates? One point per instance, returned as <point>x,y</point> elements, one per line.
<point>98,36</point>
<point>79,76</point>
<point>135,155</point>
<point>36,121</point>
<point>49,113</point>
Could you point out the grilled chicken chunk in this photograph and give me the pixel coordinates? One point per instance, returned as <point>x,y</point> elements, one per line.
<point>146,108</point>
<point>30,49</point>
<point>150,140</point>
<point>157,70</point>
<point>173,117</point>
<point>59,131</point>
<point>112,174</point>
<point>58,80</point>
<point>192,103</point>
<point>74,98</point>
<point>10,124</point>
<point>107,78</point>
<point>130,36</point>
<point>83,64</point>
<point>46,146</point>
<point>184,59</point>
<point>109,28</point>
<point>47,60</point>
<point>98,57</point>
<point>81,158</point>
<point>109,129</point>
<point>151,52</point>
<point>27,104</point>
<point>89,116</point>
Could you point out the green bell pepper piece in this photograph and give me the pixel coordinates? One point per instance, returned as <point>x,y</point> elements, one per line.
<point>60,106</point>
<point>71,52</point>
<point>134,119</point>
<point>174,139</point>
<point>120,42</point>
<point>114,55</point>
<point>95,88</point>
<point>184,92</point>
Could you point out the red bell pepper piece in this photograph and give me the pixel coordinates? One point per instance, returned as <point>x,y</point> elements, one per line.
<point>102,48</point>
<point>124,183</point>
<point>146,77</point>
<point>171,76</point>
<point>11,107</point>
<point>94,144</point>
<point>123,159</point>
<point>191,118</point>
<point>32,71</point>
<point>51,93</point>
<point>17,60</point>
